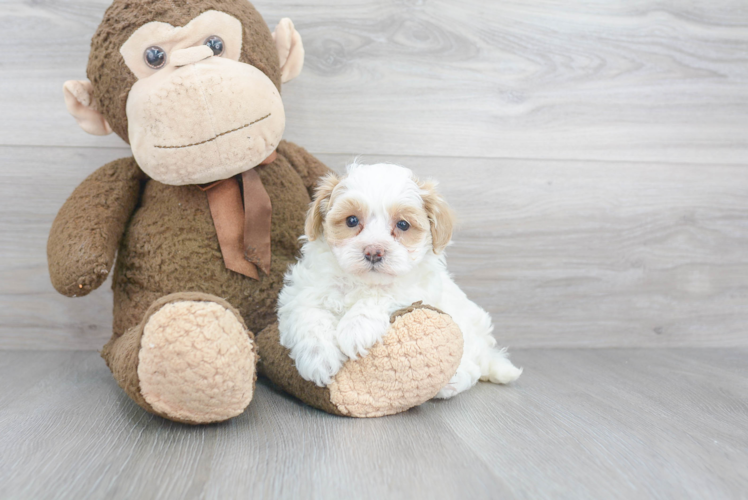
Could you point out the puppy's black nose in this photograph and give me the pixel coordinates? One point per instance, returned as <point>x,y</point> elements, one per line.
<point>374,254</point>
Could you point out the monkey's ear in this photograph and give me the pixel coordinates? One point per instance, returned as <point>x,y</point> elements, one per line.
<point>290,49</point>
<point>79,101</point>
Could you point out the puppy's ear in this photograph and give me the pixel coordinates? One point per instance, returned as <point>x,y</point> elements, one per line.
<point>441,217</point>
<point>315,217</point>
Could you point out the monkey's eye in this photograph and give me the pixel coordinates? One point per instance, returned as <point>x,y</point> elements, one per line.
<point>402,225</point>
<point>216,45</point>
<point>155,57</point>
<point>351,221</point>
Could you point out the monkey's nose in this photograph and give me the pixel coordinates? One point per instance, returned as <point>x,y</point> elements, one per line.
<point>374,253</point>
<point>190,55</point>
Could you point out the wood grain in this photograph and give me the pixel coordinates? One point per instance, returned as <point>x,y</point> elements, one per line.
<point>623,423</point>
<point>562,252</point>
<point>596,155</point>
<point>663,81</point>
<point>581,254</point>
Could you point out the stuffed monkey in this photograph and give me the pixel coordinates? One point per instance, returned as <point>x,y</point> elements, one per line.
<point>204,219</point>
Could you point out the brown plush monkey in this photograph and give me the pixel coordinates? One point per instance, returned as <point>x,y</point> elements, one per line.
<point>205,218</point>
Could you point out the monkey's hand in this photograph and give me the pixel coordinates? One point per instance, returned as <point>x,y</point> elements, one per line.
<point>88,228</point>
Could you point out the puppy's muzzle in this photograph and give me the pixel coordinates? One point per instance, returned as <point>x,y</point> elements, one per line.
<point>374,254</point>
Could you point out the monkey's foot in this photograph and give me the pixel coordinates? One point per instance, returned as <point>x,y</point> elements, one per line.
<point>191,360</point>
<point>418,356</point>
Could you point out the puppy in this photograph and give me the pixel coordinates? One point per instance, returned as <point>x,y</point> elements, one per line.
<point>374,243</point>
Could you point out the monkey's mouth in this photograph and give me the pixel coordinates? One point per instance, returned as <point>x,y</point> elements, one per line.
<point>216,137</point>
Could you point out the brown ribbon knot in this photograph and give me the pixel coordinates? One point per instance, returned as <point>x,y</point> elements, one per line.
<point>242,223</point>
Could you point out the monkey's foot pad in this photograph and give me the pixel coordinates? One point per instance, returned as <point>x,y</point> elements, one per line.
<point>417,357</point>
<point>196,362</point>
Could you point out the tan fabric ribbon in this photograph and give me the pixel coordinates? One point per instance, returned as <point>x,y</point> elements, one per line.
<point>242,226</point>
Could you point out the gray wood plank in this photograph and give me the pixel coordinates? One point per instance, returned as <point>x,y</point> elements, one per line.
<point>637,418</point>
<point>620,423</point>
<point>650,80</point>
<point>586,254</point>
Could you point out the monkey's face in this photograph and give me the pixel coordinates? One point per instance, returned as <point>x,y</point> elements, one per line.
<point>197,114</point>
<point>196,92</point>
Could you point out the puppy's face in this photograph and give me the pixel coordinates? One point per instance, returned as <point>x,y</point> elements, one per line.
<point>379,220</point>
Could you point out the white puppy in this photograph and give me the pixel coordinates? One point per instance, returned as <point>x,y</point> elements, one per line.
<point>374,244</point>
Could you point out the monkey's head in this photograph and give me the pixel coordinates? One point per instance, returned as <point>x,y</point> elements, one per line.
<point>192,85</point>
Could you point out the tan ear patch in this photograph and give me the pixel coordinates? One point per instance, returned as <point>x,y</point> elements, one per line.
<point>315,217</point>
<point>441,217</point>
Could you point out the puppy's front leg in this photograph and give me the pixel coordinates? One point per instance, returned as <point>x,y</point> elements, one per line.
<point>309,333</point>
<point>361,327</point>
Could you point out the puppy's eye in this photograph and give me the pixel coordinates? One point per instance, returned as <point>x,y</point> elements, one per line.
<point>216,45</point>
<point>403,226</point>
<point>351,221</point>
<point>155,57</point>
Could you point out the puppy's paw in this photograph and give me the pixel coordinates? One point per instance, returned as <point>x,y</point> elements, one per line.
<point>498,369</point>
<point>317,360</point>
<point>466,377</point>
<point>357,333</point>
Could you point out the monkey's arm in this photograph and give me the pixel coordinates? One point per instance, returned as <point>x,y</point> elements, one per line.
<point>88,228</point>
<point>309,168</point>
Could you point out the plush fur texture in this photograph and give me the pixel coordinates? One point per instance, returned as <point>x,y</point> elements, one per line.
<point>418,356</point>
<point>123,355</point>
<point>182,344</point>
<point>196,361</point>
<point>277,365</point>
<point>171,246</point>
<point>374,241</point>
<point>88,229</point>
<point>112,79</point>
<point>215,113</point>
<point>167,244</point>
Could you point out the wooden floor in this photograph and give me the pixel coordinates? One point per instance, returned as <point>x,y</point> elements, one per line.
<point>580,423</point>
<point>596,154</point>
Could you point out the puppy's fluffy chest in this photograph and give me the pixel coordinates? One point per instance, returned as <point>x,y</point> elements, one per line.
<point>401,292</point>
